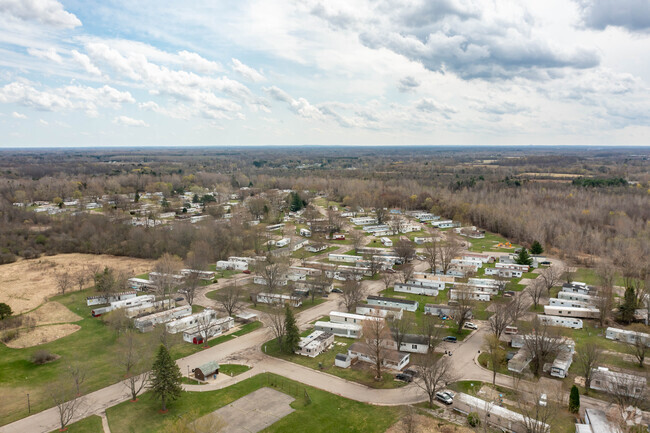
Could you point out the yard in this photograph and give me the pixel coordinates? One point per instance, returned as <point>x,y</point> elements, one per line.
<point>94,340</point>
<point>92,424</point>
<point>306,303</point>
<point>489,242</point>
<point>360,373</point>
<point>315,410</point>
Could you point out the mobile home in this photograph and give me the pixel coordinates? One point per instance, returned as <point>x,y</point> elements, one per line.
<point>218,326</point>
<point>565,322</point>
<point>405,304</point>
<point>417,289</point>
<point>107,299</point>
<point>147,323</point>
<point>348,330</point>
<point>315,343</point>
<point>582,313</point>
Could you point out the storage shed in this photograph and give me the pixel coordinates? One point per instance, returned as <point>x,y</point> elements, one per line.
<point>206,370</point>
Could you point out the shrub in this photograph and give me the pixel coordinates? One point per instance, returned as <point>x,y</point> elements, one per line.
<point>10,335</point>
<point>473,420</point>
<point>42,356</point>
<point>574,400</point>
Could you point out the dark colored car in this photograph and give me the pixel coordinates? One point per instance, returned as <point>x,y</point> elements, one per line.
<point>404,377</point>
<point>450,339</point>
<point>246,271</point>
<point>180,298</point>
<point>337,290</point>
<point>411,372</point>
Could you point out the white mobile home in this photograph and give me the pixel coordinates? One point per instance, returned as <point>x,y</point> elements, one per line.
<point>626,335</point>
<point>582,313</point>
<point>315,343</point>
<point>405,304</point>
<point>443,310</point>
<point>149,307</point>
<point>147,323</point>
<point>587,299</point>
<point>515,266</point>
<point>274,227</point>
<point>315,248</point>
<point>141,284</point>
<point>125,303</point>
<point>175,279</point>
<point>578,287</point>
<point>341,317</point>
<point>363,221</point>
<point>417,289</point>
<point>387,242</point>
<point>305,232</point>
<point>259,280</point>
<point>282,242</point>
<point>348,330</point>
<point>346,258</point>
<point>567,303</point>
<point>380,311</point>
<point>606,380</point>
<point>411,343</point>
<point>504,272</point>
<point>455,294</point>
<point>191,321</point>
<point>218,326</point>
<point>203,275</point>
<point>565,322</point>
<point>107,299</point>
<point>232,265</point>
<point>393,359</point>
<point>497,416</point>
<point>276,298</point>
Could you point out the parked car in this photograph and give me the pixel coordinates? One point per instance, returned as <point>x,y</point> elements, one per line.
<point>246,271</point>
<point>421,258</point>
<point>404,377</point>
<point>180,298</point>
<point>508,294</point>
<point>542,400</point>
<point>444,397</point>
<point>411,372</point>
<point>450,339</point>
<point>337,290</point>
<point>545,263</point>
<point>470,325</point>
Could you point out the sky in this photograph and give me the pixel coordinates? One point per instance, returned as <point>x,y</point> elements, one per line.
<point>362,72</point>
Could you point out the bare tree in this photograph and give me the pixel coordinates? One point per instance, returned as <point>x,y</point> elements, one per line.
<point>207,326</point>
<point>588,358</point>
<point>543,343</point>
<point>496,354</point>
<point>230,299</point>
<point>273,271</point>
<point>118,321</point>
<point>134,358</point>
<point>276,318</point>
<point>463,310</point>
<point>433,328</point>
<point>66,400</point>
<point>551,276</point>
<point>357,239</point>
<point>448,251</point>
<point>380,212</point>
<point>604,301</point>
<point>434,374</point>
<point>167,267</point>
<point>409,420</point>
<point>517,307</point>
<point>405,250</point>
<point>501,319</point>
<point>626,391</point>
<point>353,294</point>
<point>376,339</point>
<point>432,250</point>
<point>388,278</point>
<point>640,345</point>
<point>373,265</point>
<point>81,278</point>
<point>537,414</point>
<point>536,291</point>
<point>63,281</point>
<point>190,285</point>
<point>407,272</point>
<point>568,272</point>
<point>399,329</point>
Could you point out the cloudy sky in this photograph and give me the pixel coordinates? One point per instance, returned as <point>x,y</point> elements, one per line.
<point>111,72</point>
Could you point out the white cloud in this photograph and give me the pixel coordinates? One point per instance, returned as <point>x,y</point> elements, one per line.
<point>49,12</point>
<point>49,54</point>
<point>246,71</point>
<point>128,121</point>
<point>198,63</point>
<point>17,115</point>
<point>85,61</point>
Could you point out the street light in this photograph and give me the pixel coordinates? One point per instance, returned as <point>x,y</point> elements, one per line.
<point>29,407</point>
<point>188,371</point>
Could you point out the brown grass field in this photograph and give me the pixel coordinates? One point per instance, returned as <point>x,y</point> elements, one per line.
<point>42,335</point>
<point>26,284</point>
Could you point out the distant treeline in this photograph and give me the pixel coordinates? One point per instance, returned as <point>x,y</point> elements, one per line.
<point>599,182</point>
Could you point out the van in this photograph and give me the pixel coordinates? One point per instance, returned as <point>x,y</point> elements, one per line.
<point>450,339</point>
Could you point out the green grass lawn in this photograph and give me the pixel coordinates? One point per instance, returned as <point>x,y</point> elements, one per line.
<point>589,276</point>
<point>92,424</point>
<point>315,410</point>
<point>489,242</point>
<point>306,303</point>
<point>92,347</point>
<point>233,369</point>
<point>325,362</point>
<point>143,276</point>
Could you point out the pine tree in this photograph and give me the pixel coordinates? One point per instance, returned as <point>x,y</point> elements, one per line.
<point>523,258</point>
<point>574,400</point>
<point>296,202</point>
<point>137,197</point>
<point>292,334</point>
<point>536,248</point>
<point>165,377</point>
<point>5,311</point>
<point>195,199</point>
<point>627,308</point>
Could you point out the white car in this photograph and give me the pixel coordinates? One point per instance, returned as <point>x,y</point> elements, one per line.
<point>542,400</point>
<point>470,325</point>
<point>444,397</point>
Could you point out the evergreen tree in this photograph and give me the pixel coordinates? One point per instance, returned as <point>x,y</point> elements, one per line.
<point>295,202</point>
<point>137,197</point>
<point>574,400</point>
<point>536,248</point>
<point>627,308</point>
<point>5,311</point>
<point>195,199</point>
<point>292,334</point>
<point>165,377</point>
<point>523,258</point>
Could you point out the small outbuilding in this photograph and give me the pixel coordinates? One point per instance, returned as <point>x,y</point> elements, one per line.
<point>342,360</point>
<point>206,370</point>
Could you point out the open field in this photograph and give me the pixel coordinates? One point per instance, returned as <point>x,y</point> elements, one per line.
<point>52,312</point>
<point>314,410</point>
<point>42,335</point>
<point>26,284</point>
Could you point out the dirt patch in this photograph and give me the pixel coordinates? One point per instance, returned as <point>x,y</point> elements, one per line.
<point>429,425</point>
<point>42,335</point>
<point>52,312</point>
<point>26,284</point>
